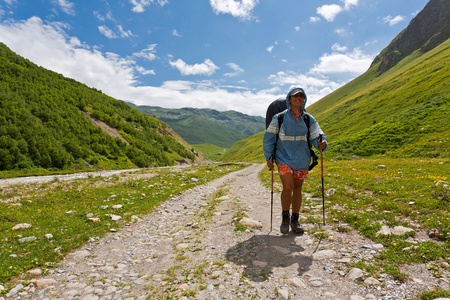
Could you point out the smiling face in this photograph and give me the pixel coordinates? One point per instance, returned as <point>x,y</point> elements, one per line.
<point>297,101</point>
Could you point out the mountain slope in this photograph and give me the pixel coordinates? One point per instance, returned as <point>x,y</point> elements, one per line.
<point>400,109</point>
<point>201,126</point>
<point>427,30</point>
<point>52,122</point>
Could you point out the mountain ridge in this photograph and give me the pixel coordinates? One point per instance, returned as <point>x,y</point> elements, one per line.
<point>215,127</point>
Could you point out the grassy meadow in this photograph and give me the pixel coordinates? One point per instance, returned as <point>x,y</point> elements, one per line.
<point>65,214</point>
<point>371,193</point>
<point>213,152</point>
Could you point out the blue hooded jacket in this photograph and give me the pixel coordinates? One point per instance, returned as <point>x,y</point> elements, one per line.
<point>292,147</point>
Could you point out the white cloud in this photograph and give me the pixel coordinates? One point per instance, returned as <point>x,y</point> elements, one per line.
<point>175,33</point>
<point>349,3</point>
<point>124,33</point>
<point>297,28</point>
<point>205,68</point>
<point>49,46</point>
<point>315,87</point>
<point>10,2</point>
<point>238,9</point>
<point>66,6</point>
<point>149,53</point>
<point>337,47</point>
<point>144,71</point>
<point>329,12</point>
<point>269,49</point>
<point>314,19</point>
<point>355,62</point>
<point>109,33</point>
<point>236,68</point>
<point>106,31</point>
<point>139,5</point>
<point>393,20</point>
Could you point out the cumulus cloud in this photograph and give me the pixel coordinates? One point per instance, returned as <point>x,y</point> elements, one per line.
<point>315,87</point>
<point>66,6</point>
<point>47,45</point>
<point>355,62</point>
<point>337,47</point>
<point>205,68</point>
<point>139,5</point>
<point>393,20</point>
<point>236,68</point>
<point>314,19</point>
<point>238,9</point>
<point>330,11</point>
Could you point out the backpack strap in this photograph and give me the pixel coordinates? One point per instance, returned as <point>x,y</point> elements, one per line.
<point>280,121</point>
<point>313,153</point>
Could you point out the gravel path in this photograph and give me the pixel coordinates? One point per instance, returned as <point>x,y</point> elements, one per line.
<point>188,248</point>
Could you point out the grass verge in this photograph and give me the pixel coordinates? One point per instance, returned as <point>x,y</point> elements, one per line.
<point>41,223</point>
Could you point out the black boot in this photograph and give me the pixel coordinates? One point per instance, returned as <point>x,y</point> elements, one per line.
<point>295,225</point>
<point>284,228</point>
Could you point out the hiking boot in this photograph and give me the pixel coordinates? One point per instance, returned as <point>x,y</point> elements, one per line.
<point>295,225</point>
<point>284,228</point>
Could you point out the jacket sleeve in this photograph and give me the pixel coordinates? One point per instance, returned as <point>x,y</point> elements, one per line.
<point>270,138</point>
<point>314,131</point>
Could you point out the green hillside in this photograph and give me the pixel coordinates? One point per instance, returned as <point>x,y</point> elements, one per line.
<point>222,129</point>
<point>198,130</point>
<point>54,123</point>
<point>402,113</point>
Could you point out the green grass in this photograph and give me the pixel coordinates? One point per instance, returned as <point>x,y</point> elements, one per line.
<point>406,192</point>
<point>213,152</point>
<point>61,209</point>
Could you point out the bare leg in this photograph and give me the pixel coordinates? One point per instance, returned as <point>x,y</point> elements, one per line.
<point>286,194</point>
<point>297,195</point>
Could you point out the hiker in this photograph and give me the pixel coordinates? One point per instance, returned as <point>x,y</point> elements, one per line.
<point>288,147</point>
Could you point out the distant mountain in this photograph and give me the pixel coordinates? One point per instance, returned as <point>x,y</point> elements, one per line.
<point>400,107</point>
<point>207,126</point>
<point>427,30</point>
<point>55,123</point>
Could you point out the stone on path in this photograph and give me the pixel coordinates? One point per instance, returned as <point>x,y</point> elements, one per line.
<point>355,274</point>
<point>43,282</point>
<point>284,293</point>
<point>372,281</point>
<point>250,223</point>
<point>324,254</point>
<point>397,230</point>
<point>357,297</point>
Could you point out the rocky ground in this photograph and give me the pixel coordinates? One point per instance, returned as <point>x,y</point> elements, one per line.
<point>188,248</point>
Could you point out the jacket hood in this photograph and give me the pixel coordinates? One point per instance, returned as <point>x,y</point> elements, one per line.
<point>289,94</point>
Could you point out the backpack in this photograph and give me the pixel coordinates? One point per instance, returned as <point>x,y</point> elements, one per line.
<point>306,120</point>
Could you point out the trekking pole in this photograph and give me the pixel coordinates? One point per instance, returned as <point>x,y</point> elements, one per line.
<point>321,169</point>
<point>271,200</point>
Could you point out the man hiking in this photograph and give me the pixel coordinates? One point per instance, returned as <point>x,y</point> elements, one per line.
<point>286,144</point>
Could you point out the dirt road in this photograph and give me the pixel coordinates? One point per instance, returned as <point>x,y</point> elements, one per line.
<point>189,248</point>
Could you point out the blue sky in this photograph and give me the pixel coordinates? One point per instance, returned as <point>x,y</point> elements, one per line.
<point>219,54</point>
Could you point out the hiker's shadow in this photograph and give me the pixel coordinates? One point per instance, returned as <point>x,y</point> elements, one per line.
<point>262,253</point>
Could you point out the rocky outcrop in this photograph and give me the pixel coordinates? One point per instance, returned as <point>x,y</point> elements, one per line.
<point>427,30</point>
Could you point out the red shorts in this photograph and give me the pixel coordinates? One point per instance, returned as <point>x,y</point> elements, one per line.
<point>298,174</point>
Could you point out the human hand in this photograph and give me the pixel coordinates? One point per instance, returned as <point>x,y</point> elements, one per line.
<point>322,145</point>
<point>270,164</point>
